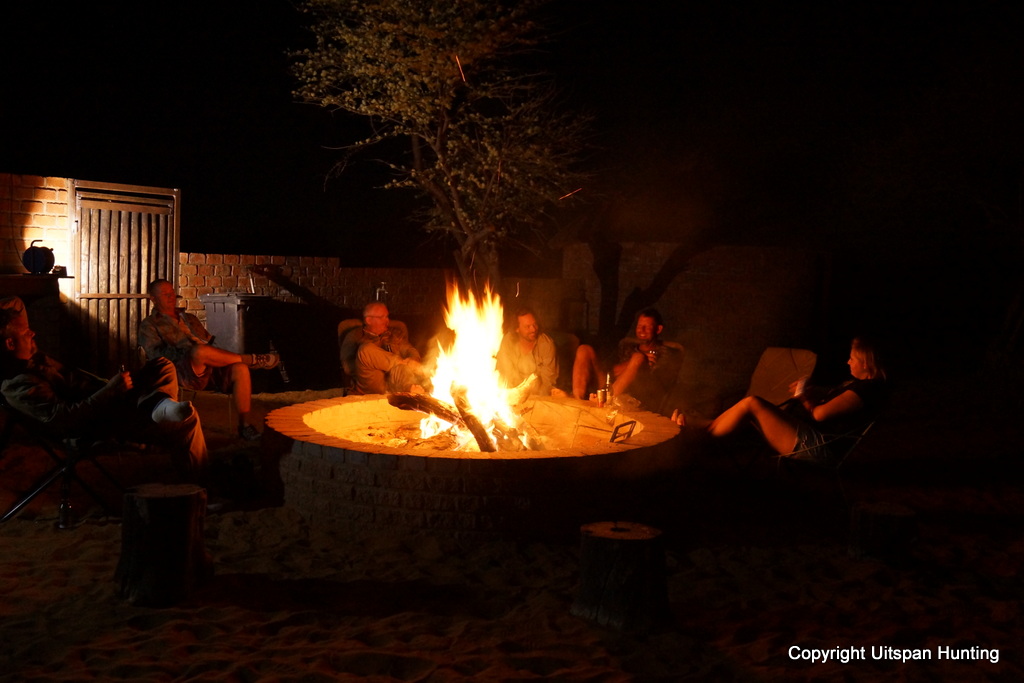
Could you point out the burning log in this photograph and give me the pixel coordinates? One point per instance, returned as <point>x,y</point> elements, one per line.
<point>508,437</point>
<point>517,395</point>
<point>534,439</point>
<point>425,403</point>
<point>471,421</point>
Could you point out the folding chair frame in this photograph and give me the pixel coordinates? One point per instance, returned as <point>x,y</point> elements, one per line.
<point>853,439</point>
<point>67,454</point>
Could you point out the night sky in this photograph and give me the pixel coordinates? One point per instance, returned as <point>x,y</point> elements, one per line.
<point>887,134</point>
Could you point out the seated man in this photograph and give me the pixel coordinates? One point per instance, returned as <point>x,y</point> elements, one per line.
<point>385,361</point>
<point>645,367</point>
<point>139,405</point>
<point>181,338</point>
<point>525,351</point>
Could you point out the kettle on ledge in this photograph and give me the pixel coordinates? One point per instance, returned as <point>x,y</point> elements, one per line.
<point>38,260</point>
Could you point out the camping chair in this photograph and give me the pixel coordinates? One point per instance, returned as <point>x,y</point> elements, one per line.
<point>842,447</point>
<point>67,454</point>
<point>776,371</point>
<point>566,344</point>
<point>348,348</point>
<point>347,351</point>
<point>671,390</point>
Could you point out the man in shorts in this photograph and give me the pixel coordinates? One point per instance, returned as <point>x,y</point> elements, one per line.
<point>644,366</point>
<point>181,338</point>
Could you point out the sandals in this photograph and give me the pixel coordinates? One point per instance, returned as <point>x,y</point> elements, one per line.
<point>264,361</point>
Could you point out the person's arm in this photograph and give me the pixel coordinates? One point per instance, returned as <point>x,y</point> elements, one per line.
<point>398,339</point>
<point>408,351</point>
<point>37,399</point>
<point>196,328</point>
<point>843,404</point>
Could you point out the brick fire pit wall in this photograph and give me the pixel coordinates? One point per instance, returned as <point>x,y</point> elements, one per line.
<point>343,484</point>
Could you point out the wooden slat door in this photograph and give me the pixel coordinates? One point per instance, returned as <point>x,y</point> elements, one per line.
<point>125,237</point>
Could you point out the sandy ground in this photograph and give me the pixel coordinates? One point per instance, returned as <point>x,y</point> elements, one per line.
<point>757,565</point>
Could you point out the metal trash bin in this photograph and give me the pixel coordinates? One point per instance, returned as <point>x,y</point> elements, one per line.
<point>239,322</point>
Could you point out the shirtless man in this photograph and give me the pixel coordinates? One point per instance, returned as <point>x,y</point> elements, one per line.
<point>645,367</point>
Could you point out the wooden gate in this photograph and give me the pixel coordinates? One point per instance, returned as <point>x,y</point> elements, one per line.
<point>125,237</point>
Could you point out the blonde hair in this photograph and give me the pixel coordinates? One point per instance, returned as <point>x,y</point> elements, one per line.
<point>868,352</point>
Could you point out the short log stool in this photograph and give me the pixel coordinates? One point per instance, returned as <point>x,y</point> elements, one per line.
<point>622,577</point>
<point>884,531</point>
<point>163,556</point>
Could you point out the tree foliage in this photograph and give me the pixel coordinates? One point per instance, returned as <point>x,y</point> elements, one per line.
<point>488,142</point>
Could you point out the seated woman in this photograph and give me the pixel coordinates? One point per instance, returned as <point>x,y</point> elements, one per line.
<point>811,431</point>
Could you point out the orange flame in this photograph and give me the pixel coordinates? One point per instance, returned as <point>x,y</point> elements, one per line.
<point>470,362</point>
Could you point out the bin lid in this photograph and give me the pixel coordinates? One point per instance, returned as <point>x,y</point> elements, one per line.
<point>233,297</point>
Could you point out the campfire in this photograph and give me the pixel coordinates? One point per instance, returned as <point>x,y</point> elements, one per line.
<point>469,408</point>
<point>478,460</point>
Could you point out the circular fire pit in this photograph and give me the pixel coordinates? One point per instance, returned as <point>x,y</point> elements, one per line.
<point>349,467</point>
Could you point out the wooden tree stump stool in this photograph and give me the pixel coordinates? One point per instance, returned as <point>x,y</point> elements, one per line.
<point>881,530</point>
<point>622,576</point>
<point>163,556</point>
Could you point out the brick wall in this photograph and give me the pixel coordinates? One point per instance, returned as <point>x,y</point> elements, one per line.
<point>725,307</point>
<point>411,292</point>
<point>33,208</point>
<point>418,294</point>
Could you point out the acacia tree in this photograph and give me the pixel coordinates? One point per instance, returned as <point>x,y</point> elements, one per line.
<point>487,142</point>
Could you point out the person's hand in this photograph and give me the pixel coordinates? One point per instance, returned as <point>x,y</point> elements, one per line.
<point>121,382</point>
<point>558,393</point>
<point>678,417</point>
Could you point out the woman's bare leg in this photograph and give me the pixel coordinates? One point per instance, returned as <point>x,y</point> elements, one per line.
<point>780,430</point>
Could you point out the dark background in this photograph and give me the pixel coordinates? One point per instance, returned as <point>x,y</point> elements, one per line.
<point>888,135</point>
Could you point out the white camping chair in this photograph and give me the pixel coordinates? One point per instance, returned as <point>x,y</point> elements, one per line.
<point>776,371</point>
